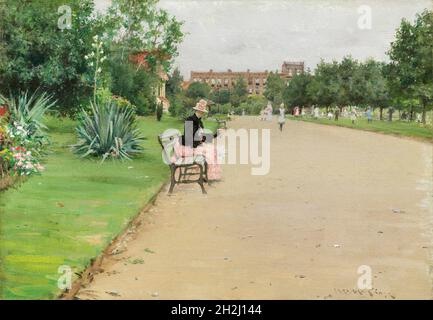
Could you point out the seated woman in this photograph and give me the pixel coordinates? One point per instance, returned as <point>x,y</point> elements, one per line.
<point>196,142</point>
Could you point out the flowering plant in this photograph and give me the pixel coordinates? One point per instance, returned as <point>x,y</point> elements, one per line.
<point>95,60</point>
<point>24,164</point>
<point>22,134</point>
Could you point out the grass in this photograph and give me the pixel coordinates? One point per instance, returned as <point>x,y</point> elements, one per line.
<point>71,212</point>
<point>399,128</point>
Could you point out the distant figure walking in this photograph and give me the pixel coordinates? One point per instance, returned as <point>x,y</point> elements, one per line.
<point>330,115</point>
<point>316,112</point>
<point>282,117</point>
<point>369,114</point>
<point>336,113</point>
<point>353,116</point>
<point>269,111</point>
<point>296,112</point>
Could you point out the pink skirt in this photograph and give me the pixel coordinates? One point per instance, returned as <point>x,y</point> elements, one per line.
<point>209,151</point>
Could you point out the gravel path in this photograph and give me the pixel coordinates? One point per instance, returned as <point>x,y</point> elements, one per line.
<point>335,199</point>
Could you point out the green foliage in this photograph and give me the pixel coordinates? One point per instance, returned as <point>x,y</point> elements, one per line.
<point>274,88</point>
<point>222,96</point>
<point>198,90</point>
<point>411,67</point>
<point>135,84</point>
<point>296,93</point>
<point>108,132</point>
<point>239,92</point>
<point>28,111</point>
<point>324,87</point>
<point>137,25</point>
<point>252,106</point>
<point>174,84</point>
<point>159,111</point>
<point>35,53</point>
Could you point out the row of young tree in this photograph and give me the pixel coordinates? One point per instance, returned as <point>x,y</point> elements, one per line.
<point>41,50</point>
<point>404,83</point>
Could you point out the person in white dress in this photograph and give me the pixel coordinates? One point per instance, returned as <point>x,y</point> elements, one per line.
<point>282,117</point>
<point>353,115</point>
<point>316,112</point>
<point>269,111</point>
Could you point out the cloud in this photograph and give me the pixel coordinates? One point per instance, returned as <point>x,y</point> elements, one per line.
<point>260,35</point>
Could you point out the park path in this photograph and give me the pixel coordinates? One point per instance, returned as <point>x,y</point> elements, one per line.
<point>335,199</point>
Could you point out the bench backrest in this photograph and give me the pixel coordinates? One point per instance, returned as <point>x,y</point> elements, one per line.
<point>168,141</point>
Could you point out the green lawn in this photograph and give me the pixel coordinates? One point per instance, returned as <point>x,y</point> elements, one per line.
<point>399,128</point>
<point>71,212</point>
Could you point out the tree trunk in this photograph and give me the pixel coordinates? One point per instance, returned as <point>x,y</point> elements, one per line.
<point>381,113</point>
<point>411,114</point>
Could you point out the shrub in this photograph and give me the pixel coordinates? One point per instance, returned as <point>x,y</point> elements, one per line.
<point>108,132</point>
<point>159,110</point>
<point>25,127</point>
<point>29,110</point>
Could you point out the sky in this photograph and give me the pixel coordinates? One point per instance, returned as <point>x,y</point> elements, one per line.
<point>260,34</point>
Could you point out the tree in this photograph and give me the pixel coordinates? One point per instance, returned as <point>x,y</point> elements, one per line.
<point>133,26</point>
<point>222,96</point>
<point>36,54</point>
<point>198,90</point>
<point>411,59</point>
<point>139,25</point>
<point>296,93</point>
<point>274,88</point>
<point>239,92</point>
<point>324,86</point>
<point>346,70</point>
<point>174,84</point>
<point>371,86</point>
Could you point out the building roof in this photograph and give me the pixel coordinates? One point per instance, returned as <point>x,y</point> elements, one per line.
<point>140,59</point>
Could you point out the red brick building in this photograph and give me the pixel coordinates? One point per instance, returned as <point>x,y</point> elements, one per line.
<point>256,81</point>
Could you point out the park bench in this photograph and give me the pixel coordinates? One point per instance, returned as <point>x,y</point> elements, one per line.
<point>182,168</point>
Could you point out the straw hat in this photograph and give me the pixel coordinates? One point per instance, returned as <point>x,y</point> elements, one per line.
<point>201,106</point>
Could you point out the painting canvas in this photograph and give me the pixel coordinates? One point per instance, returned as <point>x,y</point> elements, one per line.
<point>216,150</point>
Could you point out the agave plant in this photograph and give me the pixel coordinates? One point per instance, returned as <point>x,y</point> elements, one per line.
<point>108,132</point>
<point>25,125</point>
<point>28,111</point>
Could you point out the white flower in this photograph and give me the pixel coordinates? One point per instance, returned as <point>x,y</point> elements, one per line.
<point>86,57</point>
<point>95,37</point>
<point>103,59</point>
<point>99,70</point>
<point>102,51</point>
<point>91,64</point>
